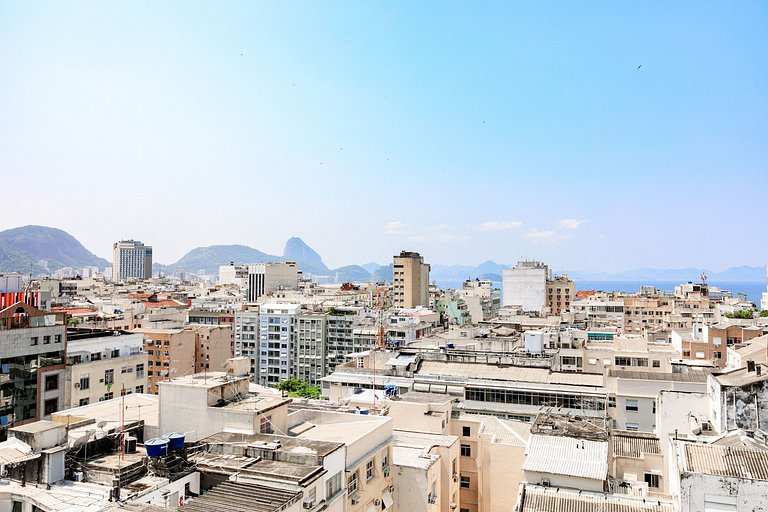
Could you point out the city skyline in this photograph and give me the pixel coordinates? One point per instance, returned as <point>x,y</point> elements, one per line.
<point>498,132</point>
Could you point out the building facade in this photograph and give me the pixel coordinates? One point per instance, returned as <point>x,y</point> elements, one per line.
<point>525,285</point>
<point>410,281</point>
<point>131,259</point>
<point>271,277</point>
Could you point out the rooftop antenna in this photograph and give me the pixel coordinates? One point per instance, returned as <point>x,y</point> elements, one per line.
<point>703,278</point>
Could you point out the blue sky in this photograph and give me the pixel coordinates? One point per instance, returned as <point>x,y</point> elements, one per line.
<point>465,131</point>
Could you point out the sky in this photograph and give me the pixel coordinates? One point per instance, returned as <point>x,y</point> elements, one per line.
<point>589,135</point>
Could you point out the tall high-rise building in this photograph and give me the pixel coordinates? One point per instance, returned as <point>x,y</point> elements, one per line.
<point>525,285</point>
<point>410,280</point>
<point>764,299</point>
<point>131,258</point>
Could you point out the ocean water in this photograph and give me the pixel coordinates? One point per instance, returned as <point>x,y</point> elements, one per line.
<point>753,289</point>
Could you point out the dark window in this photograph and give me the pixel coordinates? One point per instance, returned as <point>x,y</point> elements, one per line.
<point>83,401</point>
<point>109,376</point>
<point>465,431</point>
<point>652,480</point>
<point>464,482</point>
<point>51,406</point>
<point>51,382</point>
<point>466,450</point>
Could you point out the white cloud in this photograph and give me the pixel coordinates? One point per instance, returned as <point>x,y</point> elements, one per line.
<point>571,223</point>
<point>541,235</point>
<point>436,237</point>
<point>500,225</point>
<point>394,228</point>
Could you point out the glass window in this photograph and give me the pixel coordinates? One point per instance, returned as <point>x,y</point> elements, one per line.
<point>369,473</point>
<point>466,450</point>
<point>352,482</point>
<point>464,482</point>
<point>632,405</point>
<point>51,382</point>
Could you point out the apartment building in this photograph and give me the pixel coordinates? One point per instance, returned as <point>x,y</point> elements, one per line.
<point>131,259</point>
<point>32,349</point>
<point>525,285</point>
<point>704,342</point>
<point>311,348</point>
<point>277,342</point>
<point>213,346</point>
<point>560,292</point>
<point>368,456</point>
<point>246,338</point>
<point>233,274</point>
<point>100,364</point>
<point>171,353</point>
<point>264,278</point>
<point>410,281</point>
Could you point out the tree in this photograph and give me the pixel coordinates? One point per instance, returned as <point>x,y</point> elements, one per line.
<point>298,388</point>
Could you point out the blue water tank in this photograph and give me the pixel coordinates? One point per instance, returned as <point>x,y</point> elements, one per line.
<point>156,447</point>
<point>451,345</point>
<point>364,411</point>
<point>175,441</point>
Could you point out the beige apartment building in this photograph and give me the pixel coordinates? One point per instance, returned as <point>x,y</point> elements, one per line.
<point>213,347</point>
<point>170,353</point>
<point>560,292</point>
<point>410,281</point>
<point>101,364</point>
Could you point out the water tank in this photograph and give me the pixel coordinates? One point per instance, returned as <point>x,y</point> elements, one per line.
<point>451,345</point>
<point>364,411</point>
<point>130,444</point>
<point>156,447</point>
<point>175,441</point>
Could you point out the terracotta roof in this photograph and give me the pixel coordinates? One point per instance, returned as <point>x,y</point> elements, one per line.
<point>163,304</point>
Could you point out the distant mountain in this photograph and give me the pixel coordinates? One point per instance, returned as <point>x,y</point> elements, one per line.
<point>463,272</point>
<point>22,248</point>
<point>309,261</point>
<point>371,267</point>
<point>383,274</point>
<point>210,258</point>
<point>350,274</point>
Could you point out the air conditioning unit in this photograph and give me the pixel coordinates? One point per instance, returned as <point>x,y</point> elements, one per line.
<point>77,385</point>
<point>452,506</point>
<point>391,488</point>
<point>377,502</point>
<point>355,501</point>
<point>545,482</point>
<point>308,504</point>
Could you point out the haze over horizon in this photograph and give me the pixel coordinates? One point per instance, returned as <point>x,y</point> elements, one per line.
<point>604,137</point>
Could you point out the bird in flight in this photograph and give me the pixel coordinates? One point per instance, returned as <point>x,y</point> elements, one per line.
<point>638,67</point>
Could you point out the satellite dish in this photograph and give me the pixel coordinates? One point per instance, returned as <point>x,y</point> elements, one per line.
<point>101,424</point>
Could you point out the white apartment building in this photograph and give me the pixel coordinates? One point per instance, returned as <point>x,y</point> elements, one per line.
<point>101,364</point>
<point>247,338</point>
<point>410,280</point>
<point>234,274</point>
<point>271,277</point>
<point>525,285</point>
<point>131,258</point>
<point>277,342</point>
<point>311,350</point>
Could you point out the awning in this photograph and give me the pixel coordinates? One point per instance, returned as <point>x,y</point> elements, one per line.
<point>387,499</point>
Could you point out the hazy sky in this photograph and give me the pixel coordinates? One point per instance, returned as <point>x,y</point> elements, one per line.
<point>593,136</point>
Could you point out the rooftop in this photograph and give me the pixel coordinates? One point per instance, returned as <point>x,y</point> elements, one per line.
<point>742,377</point>
<point>480,371</point>
<point>727,461</point>
<point>634,444</point>
<point>288,444</point>
<point>690,376</point>
<point>242,497</point>
<point>567,456</point>
<point>581,427</point>
<point>508,432</point>
<point>554,499</point>
<point>413,456</point>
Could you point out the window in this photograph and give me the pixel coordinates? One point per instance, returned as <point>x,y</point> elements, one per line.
<point>47,340</point>
<point>652,480</point>
<point>631,405</point>
<point>34,340</point>
<point>57,338</point>
<point>126,369</point>
<point>83,401</point>
<point>466,450</point>
<point>465,431</point>
<point>656,363</point>
<point>623,361</point>
<point>51,382</point>
<point>369,472</point>
<point>140,370</point>
<point>265,426</point>
<point>385,460</point>
<point>464,482</point>
<point>108,396</point>
<point>139,389</point>
<point>85,381</point>
<point>352,483</point>
<point>51,406</point>
<point>333,486</point>
<point>109,376</point>
<point>632,427</point>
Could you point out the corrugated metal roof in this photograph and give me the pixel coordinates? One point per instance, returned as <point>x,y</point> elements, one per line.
<point>567,456</point>
<point>726,461</point>
<point>508,373</point>
<point>14,451</point>
<point>635,446</point>
<point>552,499</point>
